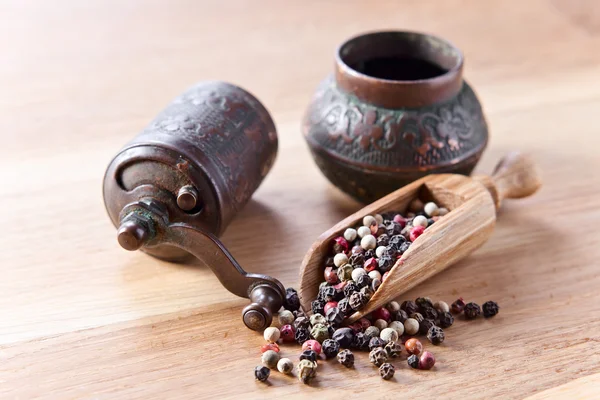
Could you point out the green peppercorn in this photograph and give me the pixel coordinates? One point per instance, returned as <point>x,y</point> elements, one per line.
<point>346,358</point>
<point>386,370</point>
<point>286,317</point>
<point>446,320</point>
<point>378,356</point>
<point>413,361</point>
<point>307,370</point>
<point>330,348</point>
<point>472,310</point>
<point>270,358</point>
<point>261,373</point>
<point>317,318</point>
<point>344,273</point>
<point>319,332</point>
<point>435,335</point>
<point>490,308</point>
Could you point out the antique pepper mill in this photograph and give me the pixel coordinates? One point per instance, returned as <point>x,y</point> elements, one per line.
<point>176,186</point>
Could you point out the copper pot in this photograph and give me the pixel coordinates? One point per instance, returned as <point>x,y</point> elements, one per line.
<point>396,109</point>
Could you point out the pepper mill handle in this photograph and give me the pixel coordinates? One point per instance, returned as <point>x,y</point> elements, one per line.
<point>516,176</point>
<point>144,226</point>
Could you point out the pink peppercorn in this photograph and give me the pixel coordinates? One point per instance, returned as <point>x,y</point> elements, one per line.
<point>340,245</point>
<point>415,232</point>
<point>365,323</point>
<point>330,304</point>
<point>269,346</point>
<point>400,219</point>
<point>340,286</point>
<point>331,275</point>
<point>356,327</point>
<point>312,345</point>
<point>382,313</point>
<point>371,264</point>
<point>427,360</point>
<point>287,333</point>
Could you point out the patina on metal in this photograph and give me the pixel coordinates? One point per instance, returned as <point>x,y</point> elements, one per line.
<point>395,109</point>
<point>175,187</point>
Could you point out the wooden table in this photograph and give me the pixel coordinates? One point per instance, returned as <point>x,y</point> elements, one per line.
<point>80,317</point>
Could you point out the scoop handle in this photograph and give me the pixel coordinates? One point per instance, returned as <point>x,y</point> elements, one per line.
<point>516,176</point>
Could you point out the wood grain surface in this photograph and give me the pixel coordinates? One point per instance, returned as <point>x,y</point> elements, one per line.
<point>81,318</point>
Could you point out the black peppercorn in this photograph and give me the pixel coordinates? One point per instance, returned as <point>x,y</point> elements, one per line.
<point>326,293</point>
<point>446,320</point>
<point>413,361</point>
<point>385,263</point>
<point>490,308</point>
<point>424,302</point>
<point>472,310</point>
<point>386,370</point>
<point>346,358</point>
<point>429,313</point>
<point>393,349</point>
<point>360,341</point>
<point>350,288</point>
<point>458,306</point>
<point>409,306</point>
<point>302,335</point>
<point>400,316</point>
<point>396,241</point>
<point>403,247</point>
<point>334,316</point>
<point>430,221</point>
<point>330,330</point>
<point>376,342</point>
<point>417,316</point>
<point>435,335</point>
<point>357,260</point>
<point>383,240</point>
<point>317,306</point>
<point>299,313</point>
<point>291,301</point>
<point>344,306</point>
<point>301,322</point>
<point>390,251</point>
<point>330,348</point>
<point>425,325</point>
<point>370,254</point>
<point>343,336</point>
<point>393,228</point>
<point>329,262</point>
<point>363,281</point>
<point>339,294</point>
<point>357,300</point>
<point>310,355</point>
<point>261,373</point>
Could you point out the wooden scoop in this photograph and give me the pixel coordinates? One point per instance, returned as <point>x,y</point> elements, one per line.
<point>472,202</point>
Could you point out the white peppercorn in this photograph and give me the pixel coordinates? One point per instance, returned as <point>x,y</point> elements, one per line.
<point>340,259</point>
<point>441,306</point>
<point>389,335</point>
<point>420,220</point>
<point>369,220</point>
<point>286,317</point>
<point>379,251</point>
<point>357,272</point>
<point>369,242</point>
<point>411,326</point>
<point>363,231</point>
<point>375,275</point>
<point>393,306</point>
<point>431,209</point>
<point>379,218</point>
<point>397,326</point>
<point>271,334</point>
<point>372,331</point>
<point>270,358</point>
<point>350,234</point>
<point>285,365</point>
<point>380,324</point>
<point>442,211</point>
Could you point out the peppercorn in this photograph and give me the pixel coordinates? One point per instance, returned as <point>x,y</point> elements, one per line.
<point>416,231</point>
<point>375,342</point>
<point>344,306</point>
<point>382,241</point>
<point>317,306</point>
<point>441,306</point>
<point>330,330</point>
<point>269,346</point>
<point>312,345</point>
<point>392,307</point>
<point>307,370</point>
<point>372,331</point>
<point>389,334</point>
<point>286,317</point>
<point>435,334</point>
<point>346,358</point>
<point>400,316</point>
<point>261,373</point>
<point>357,260</point>
<point>425,325</point>
<point>317,319</point>
<point>409,306</point>
<point>427,360</point>
<point>350,234</point>
<point>329,305</point>
<point>350,288</point>
<point>364,323</point>
<point>363,231</point>
<point>413,346</point>
<point>302,335</point>
<point>370,264</point>
<point>356,273</point>
<point>390,251</point>
<point>374,275</point>
<point>299,313</point>
<point>379,250</point>
<point>411,326</point>
<point>397,326</point>
<point>369,220</point>
<point>458,306</point>
<point>380,323</point>
<point>442,211</point>
<point>446,320</point>
<point>343,336</point>
<point>340,245</point>
<point>378,356</point>
<point>368,242</point>
<point>413,361</point>
<point>363,280</point>
<point>344,272</point>
<point>335,316</point>
<point>472,310</point>
<point>326,294</point>
<point>310,355</point>
<point>360,341</point>
<point>291,301</point>
<point>285,366</point>
<point>393,228</point>
<point>287,333</point>
<point>386,370</point>
<point>271,334</point>
<point>339,290</point>
<point>403,247</point>
<point>422,302</point>
<point>270,359</point>
<point>396,241</point>
<point>385,263</point>
<point>357,300</point>
<point>319,332</point>
<point>301,322</point>
<point>393,349</point>
<point>431,209</point>
<point>419,221</point>
<point>370,254</point>
<point>490,308</point>
<point>429,313</point>
<point>340,259</point>
<point>330,348</point>
<point>418,317</point>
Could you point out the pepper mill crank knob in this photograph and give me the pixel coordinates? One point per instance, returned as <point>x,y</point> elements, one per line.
<point>132,235</point>
<point>266,301</point>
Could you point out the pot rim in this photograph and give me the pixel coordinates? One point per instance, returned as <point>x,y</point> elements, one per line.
<point>395,94</point>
